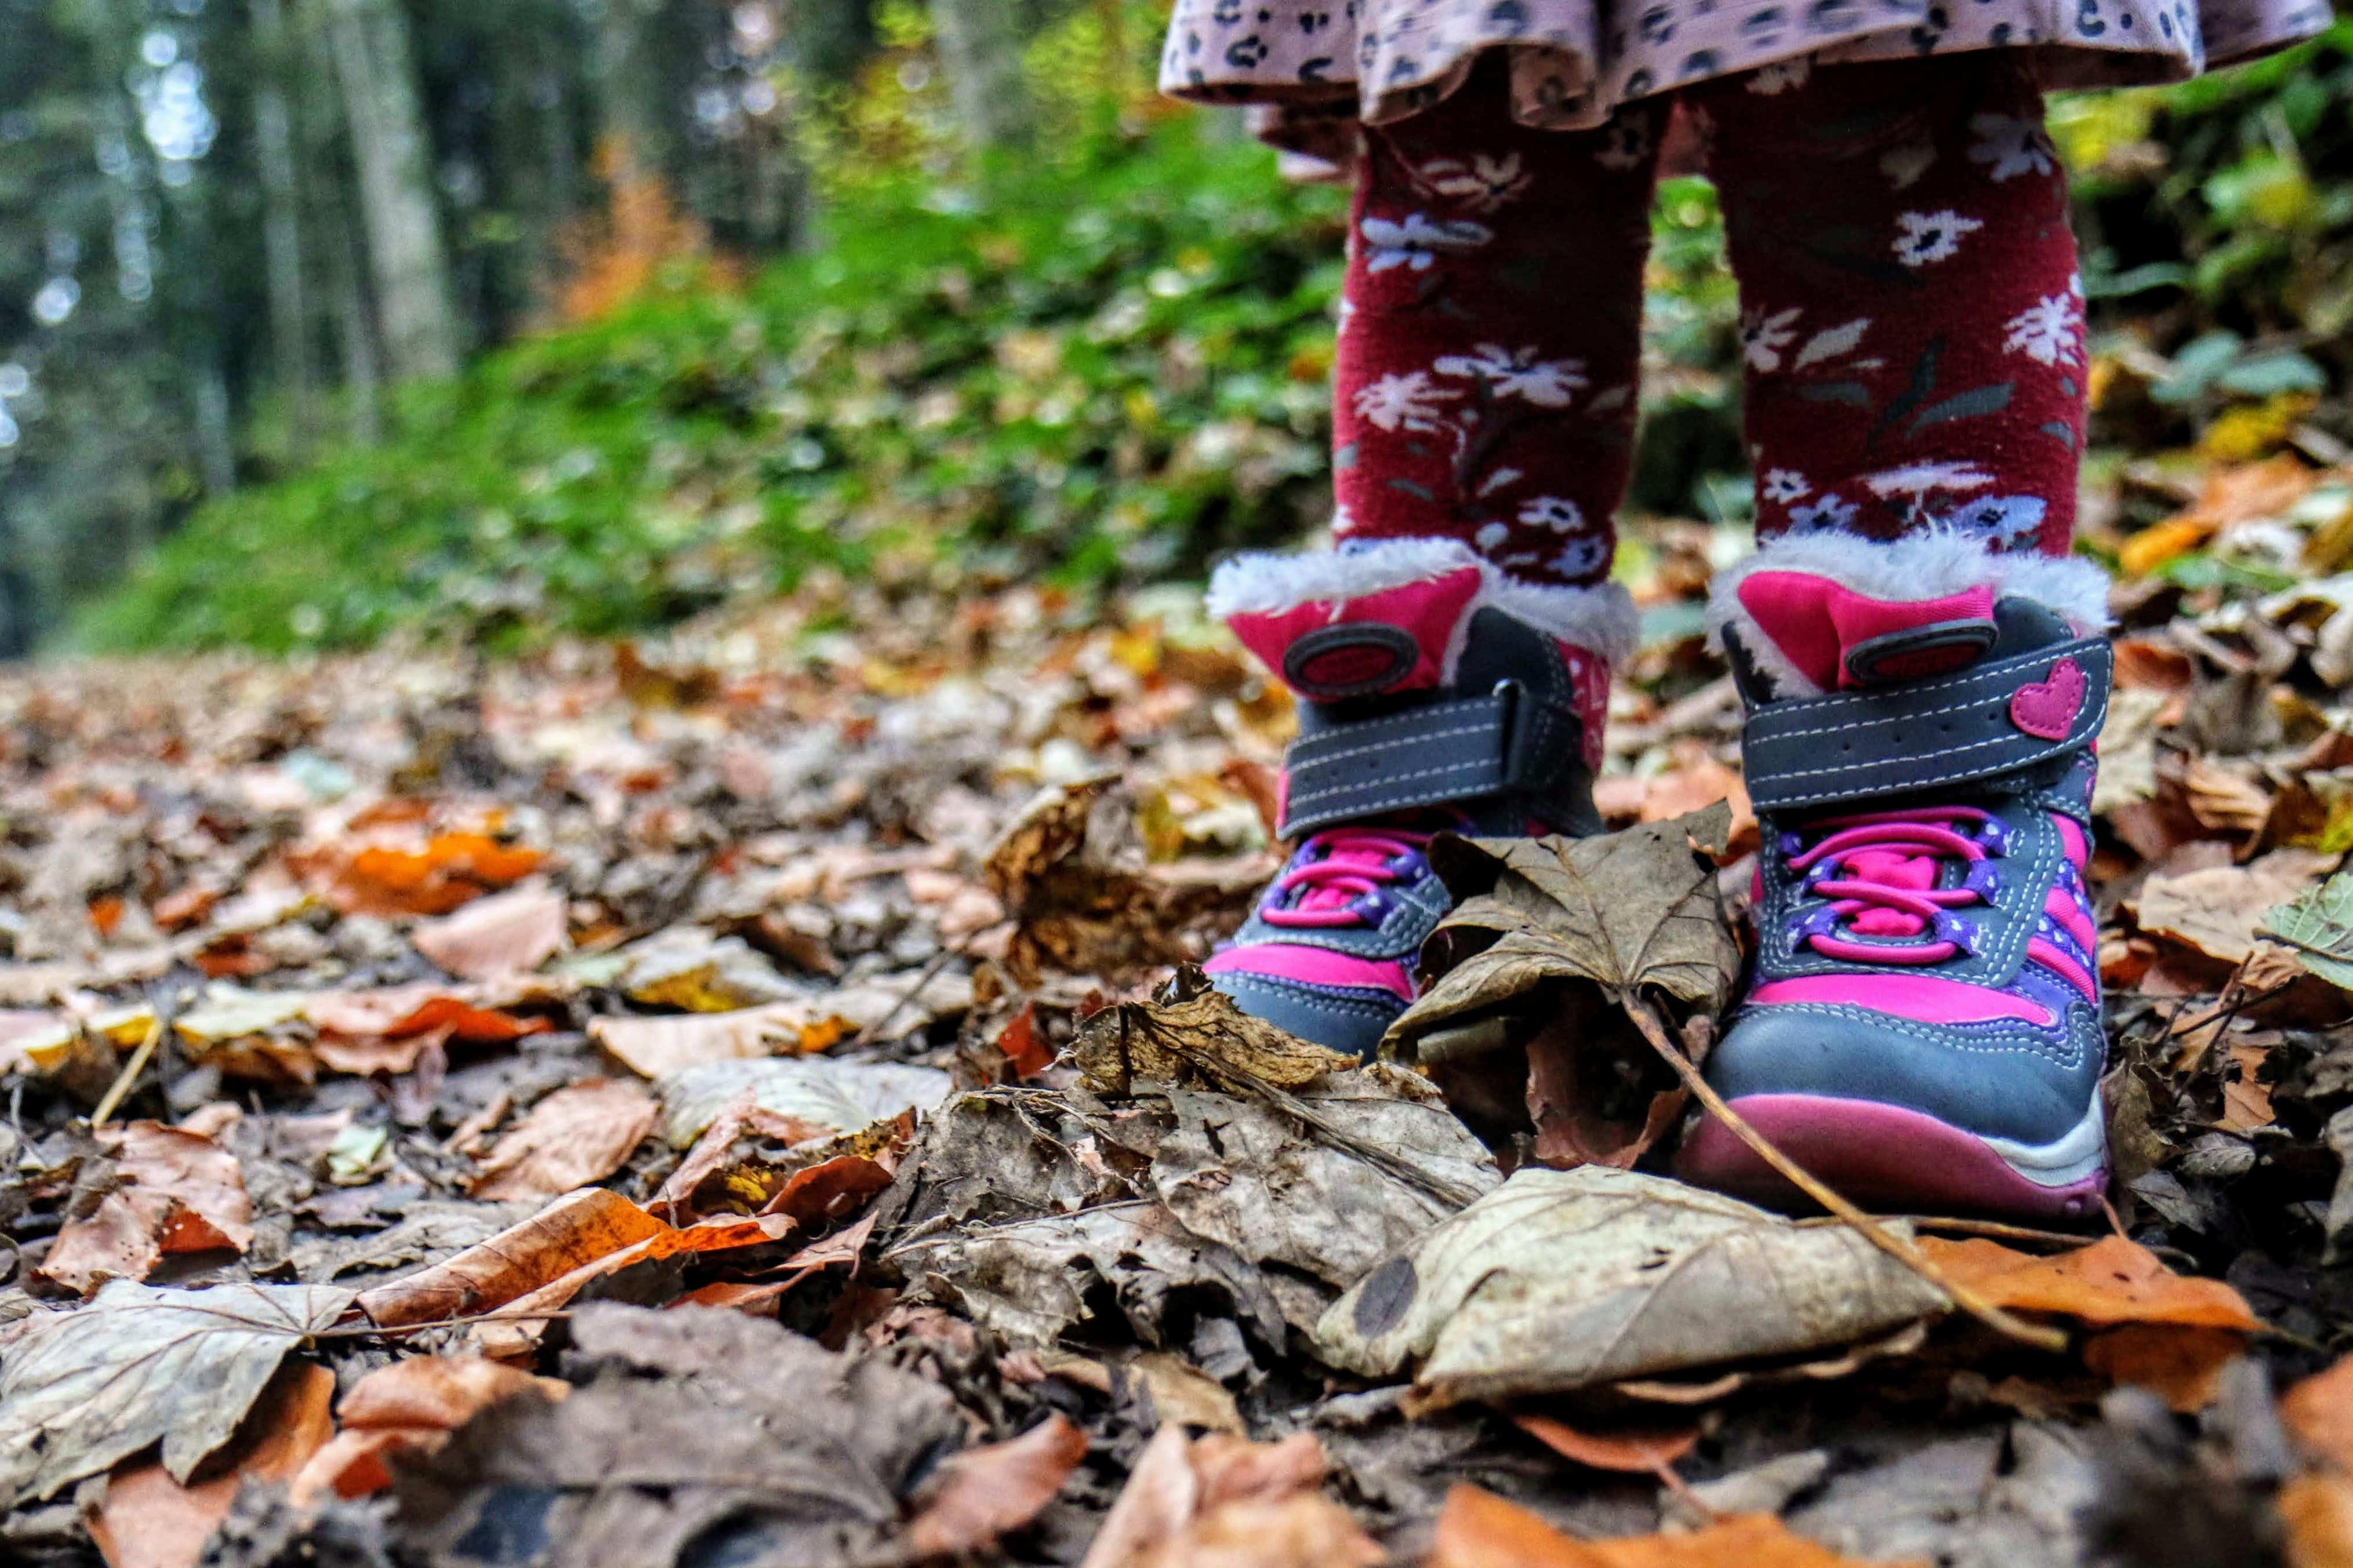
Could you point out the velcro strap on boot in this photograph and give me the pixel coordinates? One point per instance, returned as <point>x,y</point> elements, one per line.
<point>1506,743</point>
<point>1981,724</point>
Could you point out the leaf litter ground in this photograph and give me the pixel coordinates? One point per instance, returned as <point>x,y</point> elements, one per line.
<point>746,1102</point>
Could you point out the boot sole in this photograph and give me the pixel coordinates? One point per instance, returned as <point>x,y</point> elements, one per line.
<point>1887,1158</point>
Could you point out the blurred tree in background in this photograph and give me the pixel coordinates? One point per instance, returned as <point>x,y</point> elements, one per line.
<point>321,317</point>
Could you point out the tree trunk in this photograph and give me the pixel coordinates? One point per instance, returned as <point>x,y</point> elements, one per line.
<point>630,74</point>
<point>414,297</point>
<point>281,232</point>
<point>980,49</point>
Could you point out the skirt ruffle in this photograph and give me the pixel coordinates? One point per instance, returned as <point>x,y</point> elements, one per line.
<point>1316,68</point>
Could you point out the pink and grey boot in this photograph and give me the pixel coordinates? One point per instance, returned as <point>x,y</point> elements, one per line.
<point>1923,1027</point>
<point>1434,692</point>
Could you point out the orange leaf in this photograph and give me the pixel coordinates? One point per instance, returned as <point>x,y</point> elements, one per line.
<point>986,1492</point>
<point>1478,1529</point>
<point>150,1520</point>
<point>2180,1363</point>
<point>2113,1281</point>
<point>449,869</point>
<point>1021,1045</point>
<point>411,1407</point>
<point>586,1225</point>
<point>2318,1513</point>
<point>2319,1411</point>
<point>1639,1451</point>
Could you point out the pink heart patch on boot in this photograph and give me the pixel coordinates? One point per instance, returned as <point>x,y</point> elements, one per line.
<point>2046,708</point>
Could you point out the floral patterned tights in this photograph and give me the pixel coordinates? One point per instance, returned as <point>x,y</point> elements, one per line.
<point>1912,322</point>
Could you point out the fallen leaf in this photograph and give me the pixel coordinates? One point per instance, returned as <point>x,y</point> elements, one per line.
<point>1182,1394</point>
<point>573,1137</point>
<point>506,933</point>
<point>1567,1279</point>
<point>658,1047</point>
<point>2318,925</point>
<point>432,879</point>
<point>1480,1530</point>
<point>81,1389</point>
<point>1224,1500</point>
<point>1190,1032</point>
<point>1527,1025</point>
<point>2319,1513</point>
<point>148,1520</point>
<point>568,1233</point>
<point>1023,1045</point>
<point>408,1407</point>
<point>840,1095</point>
<point>398,1011</point>
<point>2220,912</point>
<point>2165,1331</point>
<point>684,1424</point>
<point>181,1192</point>
<point>984,1493</point>
<point>1635,1450</point>
<point>2319,1411</point>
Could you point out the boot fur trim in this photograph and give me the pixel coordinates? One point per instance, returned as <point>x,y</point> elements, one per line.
<point>1927,565</point>
<point>1601,619</point>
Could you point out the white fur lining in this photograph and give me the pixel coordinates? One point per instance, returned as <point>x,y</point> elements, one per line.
<point>1601,618</point>
<point>1927,565</point>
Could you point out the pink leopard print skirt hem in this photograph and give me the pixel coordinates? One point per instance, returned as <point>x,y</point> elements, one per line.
<point>1320,66</point>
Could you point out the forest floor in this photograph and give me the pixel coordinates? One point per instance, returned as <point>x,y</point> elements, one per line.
<point>739,1099</point>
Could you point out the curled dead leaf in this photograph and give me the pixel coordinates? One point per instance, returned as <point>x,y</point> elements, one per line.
<point>574,1136</point>
<point>408,1407</point>
<point>512,932</point>
<point>180,1191</point>
<point>983,1493</point>
<point>1190,1032</point>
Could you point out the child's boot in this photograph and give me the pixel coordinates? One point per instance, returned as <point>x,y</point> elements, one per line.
<point>1434,693</point>
<point>1922,1029</point>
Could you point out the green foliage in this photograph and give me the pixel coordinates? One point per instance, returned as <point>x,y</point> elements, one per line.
<point>1096,369</point>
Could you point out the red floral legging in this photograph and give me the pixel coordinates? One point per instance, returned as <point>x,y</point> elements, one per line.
<point>1912,324</point>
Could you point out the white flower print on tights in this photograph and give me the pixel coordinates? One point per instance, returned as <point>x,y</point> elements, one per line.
<point>1763,337</point>
<point>1554,512</point>
<point>1407,401</point>
<point>1483,183</point>
<point>1548,383</point>
<point>2049,331</point>
<point>1783,486</point>
<point>1419,240</point>
<point>1625,143</point>
<point>2009,146</point>
<point>1491,536</point>
<point>1823,515</point>
<point>1922,478</point>
<point>1931,236</point>
<point>1582,557</point>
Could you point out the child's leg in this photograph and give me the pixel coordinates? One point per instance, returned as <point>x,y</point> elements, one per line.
<point>1911,313</point>
<point>1485,387</point>
<point>1453,658</point>
<point>1924,667</point>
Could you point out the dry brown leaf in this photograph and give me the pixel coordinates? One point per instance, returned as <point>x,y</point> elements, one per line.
<point>507,933</point>
<point>150,1520</point>
<point>2220,912</point>
<point>561,1237</point>
<point>81,1389</point>
<point>411,1407</point>
<point>1191,1034</point>
<point>1480,1530</point>
<point>658,1047</point>
<point>1527,1027</point>
<point>182,1192</point>
<point>2319,1411</point>
<point>1634,1450</point>
<point>1162,1516</point>
<point>575,1136</point>
<point>983,1493</point>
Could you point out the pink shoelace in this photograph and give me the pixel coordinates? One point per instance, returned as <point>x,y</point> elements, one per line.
<point>1880,872</point>
<point>1341,876</point>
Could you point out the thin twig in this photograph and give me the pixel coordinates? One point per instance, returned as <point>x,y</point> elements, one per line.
<point>1898,1247</point>
<point>940,961</point>
<point>367,1330</point>
<point>121,1088</point>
